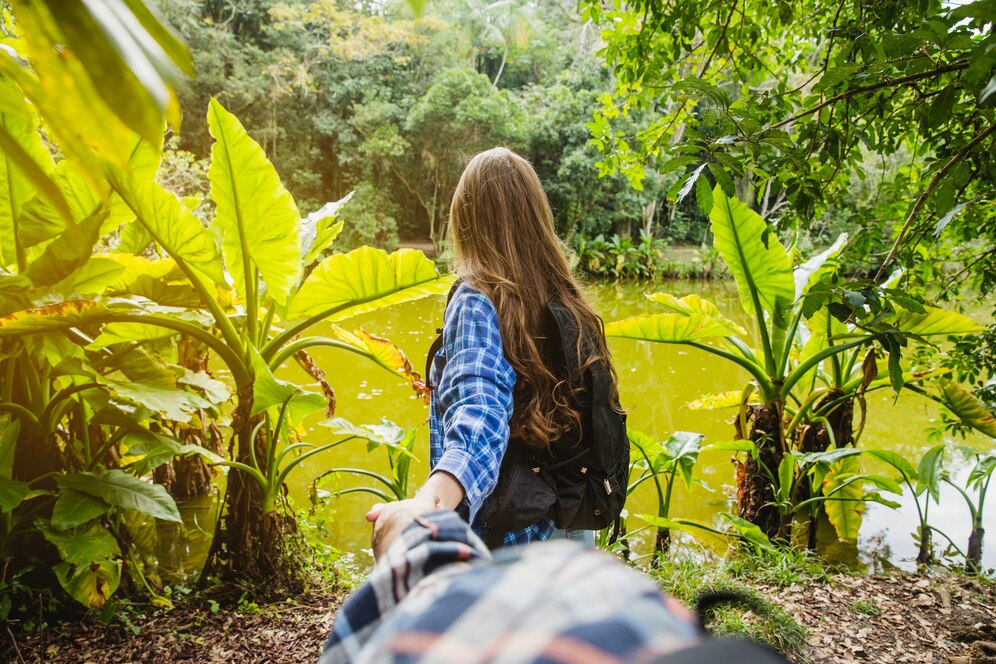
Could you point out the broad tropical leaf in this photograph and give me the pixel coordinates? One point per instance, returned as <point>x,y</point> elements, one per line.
<point>693,304</point>
<point>67,253</point>
<point>896,461</point>
<point>255,215</point>
<point>8,443</point>
<point>683,447</point>
<point>118,488</point>
<point>74,508</point>
<point>90,570</point>
<point>269,391</point>
<point>366,279</point>
<point>936,322</point>
<point>669,328</point>
<point>170,223</point>
<point>928,474</point>
<point>171,403</point>
<point>967,408</point>
<point>762,272</point>
<point>72,313</point>
<point>846,506</point>
<point>16,189</point>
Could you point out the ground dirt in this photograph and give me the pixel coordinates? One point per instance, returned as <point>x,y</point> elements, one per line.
<point>894,618</point>
<point>900,618</point>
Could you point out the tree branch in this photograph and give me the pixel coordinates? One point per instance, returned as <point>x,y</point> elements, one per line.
<point>981,136</point>
<point>957,66</point>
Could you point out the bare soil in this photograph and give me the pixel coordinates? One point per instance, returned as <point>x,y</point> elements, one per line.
<point>895,618</point>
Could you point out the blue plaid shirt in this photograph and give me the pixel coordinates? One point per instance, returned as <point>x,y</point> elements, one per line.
<point>472,405</point>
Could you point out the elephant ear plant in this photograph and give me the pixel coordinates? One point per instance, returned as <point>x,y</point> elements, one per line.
<point>784,407</point>
<point>281,287</point>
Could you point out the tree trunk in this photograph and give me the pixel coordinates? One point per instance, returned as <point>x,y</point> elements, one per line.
<point>248,543</point>
<point>755,493</point>
<point>814,438</point>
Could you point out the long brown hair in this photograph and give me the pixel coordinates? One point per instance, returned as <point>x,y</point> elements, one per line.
<point>506,246</point>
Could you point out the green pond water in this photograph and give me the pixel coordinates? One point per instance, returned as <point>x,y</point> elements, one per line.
<point>656,381</point>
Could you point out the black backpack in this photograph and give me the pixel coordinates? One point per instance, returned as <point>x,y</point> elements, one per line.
<point>580,480</point>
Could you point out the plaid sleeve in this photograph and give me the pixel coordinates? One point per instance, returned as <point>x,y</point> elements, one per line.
<point>430,543</point>
<point>475,396</point>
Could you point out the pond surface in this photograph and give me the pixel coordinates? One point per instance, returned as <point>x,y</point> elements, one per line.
<point>656,381</point>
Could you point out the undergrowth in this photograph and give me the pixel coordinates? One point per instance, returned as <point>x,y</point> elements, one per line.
<point>688,578</point>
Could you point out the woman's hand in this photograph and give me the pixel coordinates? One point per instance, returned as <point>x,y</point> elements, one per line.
<point>440,492</point>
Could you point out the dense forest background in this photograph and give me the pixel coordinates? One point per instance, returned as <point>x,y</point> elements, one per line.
<point>368,98</point>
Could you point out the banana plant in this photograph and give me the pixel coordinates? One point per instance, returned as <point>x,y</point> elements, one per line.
<point>779,402</point>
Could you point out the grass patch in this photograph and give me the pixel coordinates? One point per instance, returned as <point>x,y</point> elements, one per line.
<point>754,617</point>
<point>867,607</point>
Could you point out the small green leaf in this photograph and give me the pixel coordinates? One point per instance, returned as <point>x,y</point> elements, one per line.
<point>928,475</point>
<point>748,531</point>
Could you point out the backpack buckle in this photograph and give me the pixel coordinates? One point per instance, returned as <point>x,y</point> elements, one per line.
<point>608,487</point>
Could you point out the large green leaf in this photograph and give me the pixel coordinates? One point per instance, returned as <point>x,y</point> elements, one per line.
<point>169,222</point>
<point>90,570</point>
<point>255,215</point>
<point>936,322</point>
<point>72,313</point>
<point>171,403</point>
<point>693,304</point>
<point>762,272</point>
<point>269,391</point>
<point>16,188</point>
<point>683,448</point>
<point>74,508</point>
<point>845,507</point>
<point>118,488</point>
<point>366,279</point>
<point>967,408</point>
<point>669,328</point>
<point>67,253</point>
<point>896,461</point>
<point>88,124</point>
<point>116,61</point>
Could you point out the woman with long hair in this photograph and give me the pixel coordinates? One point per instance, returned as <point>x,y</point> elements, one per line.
<point>495,375</point>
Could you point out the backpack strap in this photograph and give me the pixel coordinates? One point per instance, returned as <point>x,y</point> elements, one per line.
<point>437,343</point>
<point>434,347</point>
